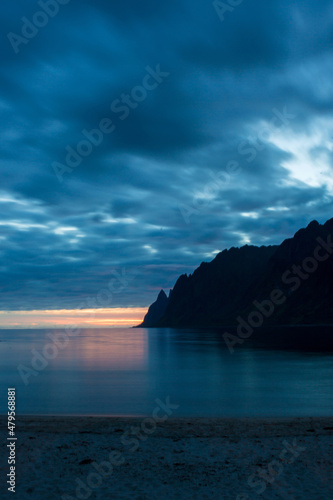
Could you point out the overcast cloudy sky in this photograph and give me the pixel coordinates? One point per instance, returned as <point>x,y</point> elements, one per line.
<point>226,139</point>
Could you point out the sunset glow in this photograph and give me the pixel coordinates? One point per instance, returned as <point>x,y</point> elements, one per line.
<point>124,317</point>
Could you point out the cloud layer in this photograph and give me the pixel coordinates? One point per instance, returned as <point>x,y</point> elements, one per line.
<point>233,146</point>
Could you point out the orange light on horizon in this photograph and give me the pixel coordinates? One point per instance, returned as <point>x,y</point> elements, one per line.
<point>88,318</point>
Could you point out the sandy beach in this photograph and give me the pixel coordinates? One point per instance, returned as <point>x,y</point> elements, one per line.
<point>180,458</point>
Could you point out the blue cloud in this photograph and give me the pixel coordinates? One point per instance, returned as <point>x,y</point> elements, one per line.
<point>159,194</point>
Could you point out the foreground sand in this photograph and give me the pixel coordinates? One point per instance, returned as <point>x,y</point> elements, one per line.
<point>181,459</point>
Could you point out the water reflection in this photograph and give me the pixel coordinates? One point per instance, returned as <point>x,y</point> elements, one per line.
<point>122,371</point>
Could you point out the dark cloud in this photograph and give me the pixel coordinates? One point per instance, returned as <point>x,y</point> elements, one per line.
<point>234,146</point>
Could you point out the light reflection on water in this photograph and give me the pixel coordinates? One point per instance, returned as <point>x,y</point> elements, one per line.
<point>123,371</point>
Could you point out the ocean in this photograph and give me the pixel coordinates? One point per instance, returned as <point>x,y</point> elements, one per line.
<point>117,371</point>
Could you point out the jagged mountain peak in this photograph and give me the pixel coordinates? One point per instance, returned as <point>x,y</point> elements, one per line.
<point>219,291</point>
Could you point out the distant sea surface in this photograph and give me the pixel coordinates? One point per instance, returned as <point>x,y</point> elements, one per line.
<point>123,371</point>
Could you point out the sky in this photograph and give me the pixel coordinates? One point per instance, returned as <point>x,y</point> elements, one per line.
<point>102,317</point>
<point>139,139</point>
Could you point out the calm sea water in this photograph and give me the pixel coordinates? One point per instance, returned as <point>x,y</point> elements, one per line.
<point>123,372</point>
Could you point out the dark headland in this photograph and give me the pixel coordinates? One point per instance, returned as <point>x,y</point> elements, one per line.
<point>289,284</point>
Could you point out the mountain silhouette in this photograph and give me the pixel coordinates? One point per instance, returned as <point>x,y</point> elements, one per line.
<point>156,310</point>
<point>289,284</point>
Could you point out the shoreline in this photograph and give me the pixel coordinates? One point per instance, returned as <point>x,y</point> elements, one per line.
<point>26,419</point>
<point>200,457</point>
